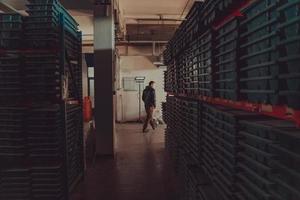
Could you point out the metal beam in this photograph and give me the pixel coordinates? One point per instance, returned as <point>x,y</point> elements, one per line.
<point>4,7</point>
<point>150,42</point>
<point>158,19</point>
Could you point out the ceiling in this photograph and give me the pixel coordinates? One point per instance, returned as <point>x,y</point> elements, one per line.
<point>154,20</point>
<point>149,32</point>
<point>130,7</point>
<point>140,17</point>
<point>70,4</point>
<point>17,4</point>
<point>154,7</point>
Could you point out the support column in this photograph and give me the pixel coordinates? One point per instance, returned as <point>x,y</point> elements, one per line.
<point>104,58</point>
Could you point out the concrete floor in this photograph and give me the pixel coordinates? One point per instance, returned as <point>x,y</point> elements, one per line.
<point>140,171</point>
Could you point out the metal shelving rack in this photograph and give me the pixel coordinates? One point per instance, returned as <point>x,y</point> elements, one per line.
<point>248,124</point>
<point>41,131</point>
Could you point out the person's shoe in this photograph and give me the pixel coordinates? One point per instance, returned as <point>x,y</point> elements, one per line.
<point>146,131</point>
<point>154,127</point>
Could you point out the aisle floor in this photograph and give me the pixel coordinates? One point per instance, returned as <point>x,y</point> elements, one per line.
<point>141,169</point>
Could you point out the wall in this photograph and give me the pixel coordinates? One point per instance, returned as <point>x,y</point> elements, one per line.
<point>86,25</point>
<point>127,102</point>
<point>131,64</point>
<point>84,77</point>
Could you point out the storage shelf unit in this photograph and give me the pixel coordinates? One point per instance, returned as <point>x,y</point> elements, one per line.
<point>183,142</point>
<point>241,72</point>
<point>252,61</point>
<point>258,40</point>
<point>241,155</point>
<point>226,73</point>
<point>41,130</point>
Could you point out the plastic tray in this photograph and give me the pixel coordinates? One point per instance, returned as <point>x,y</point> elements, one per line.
<point>285,191</point>
<point>11,82</point>
<point>4,17</point>
<point>265,127</point>
<point>258,155</point>
<point>48,182</point>
<point>43,1</point>
<point>262,170</point>
<point>252,189</point>
<point>259,12</point>
<point>287,176</point>
<point>245,193</point>
<point>15,184</point>
<point>257,142</point>
<point>287,158</point>
<point>10,43</point>
<point>289,17</point>
<point>205,64</point>
<point>254,177</point>
<point>289,138</point>
<point>259,68</point>
<point>226,60</point>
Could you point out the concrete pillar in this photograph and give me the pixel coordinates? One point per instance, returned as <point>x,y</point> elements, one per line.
<point>104,56</point>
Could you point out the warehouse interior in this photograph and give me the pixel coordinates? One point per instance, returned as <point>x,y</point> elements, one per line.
<point>226,112</point>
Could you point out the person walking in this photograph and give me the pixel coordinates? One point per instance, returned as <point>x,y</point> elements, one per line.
<point>149,98</point>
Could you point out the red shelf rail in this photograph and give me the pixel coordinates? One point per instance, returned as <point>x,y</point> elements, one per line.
<point>234,12</point>
<point>280,112</point>
<point>50,50</point>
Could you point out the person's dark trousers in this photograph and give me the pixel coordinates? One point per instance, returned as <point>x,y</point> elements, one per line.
<point>149,118</point>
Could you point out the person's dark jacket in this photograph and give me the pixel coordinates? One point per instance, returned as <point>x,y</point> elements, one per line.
<point>149,97</point>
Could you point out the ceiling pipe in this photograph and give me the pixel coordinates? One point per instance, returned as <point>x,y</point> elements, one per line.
<point>158,19</point>
<point>121,43</point>
<point>141,42</point>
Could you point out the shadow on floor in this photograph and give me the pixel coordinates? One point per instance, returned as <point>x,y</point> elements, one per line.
<point>141,169</point>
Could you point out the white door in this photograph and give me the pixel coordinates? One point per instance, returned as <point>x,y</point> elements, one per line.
<point>131,97</point>
<point>130,106</point>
